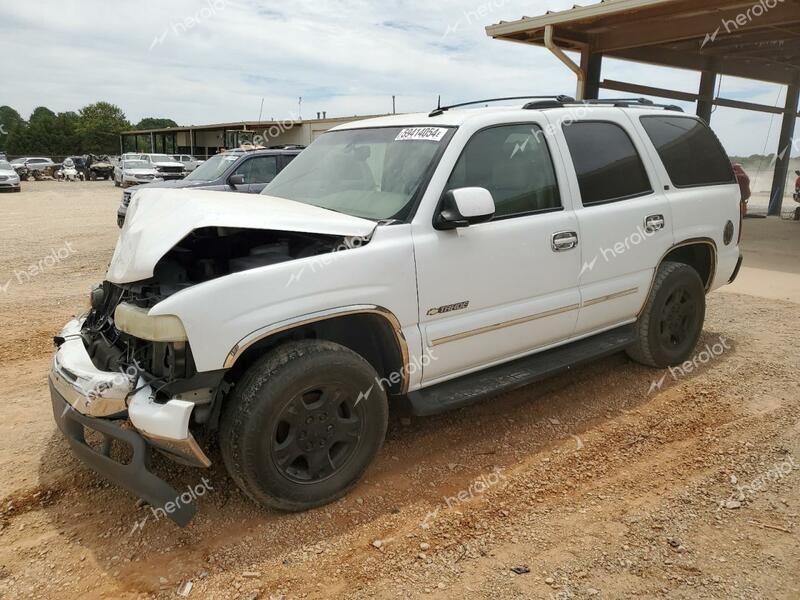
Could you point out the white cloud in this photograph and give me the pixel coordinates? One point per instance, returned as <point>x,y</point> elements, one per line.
<point>345,57</point>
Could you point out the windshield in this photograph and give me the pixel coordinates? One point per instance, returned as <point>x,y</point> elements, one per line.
<point>213,168</point>
<point>136,164</point>
<point>368,173</point>
<point>161,158</point>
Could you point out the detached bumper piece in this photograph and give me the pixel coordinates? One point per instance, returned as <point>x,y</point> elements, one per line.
<point>135,477</point>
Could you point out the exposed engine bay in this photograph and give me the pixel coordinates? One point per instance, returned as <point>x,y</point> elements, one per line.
<point>203,255</point>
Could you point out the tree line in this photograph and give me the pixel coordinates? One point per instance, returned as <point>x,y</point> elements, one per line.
<point>94,129</point>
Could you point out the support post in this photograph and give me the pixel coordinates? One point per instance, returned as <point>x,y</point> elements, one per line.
<point>785,147</point>
<point>191,143</point>
<point>705,104</point>
<point>592,65</point>
<point>152,143</point>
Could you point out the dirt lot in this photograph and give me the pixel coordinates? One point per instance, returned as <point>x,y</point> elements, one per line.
<point>614,481</point>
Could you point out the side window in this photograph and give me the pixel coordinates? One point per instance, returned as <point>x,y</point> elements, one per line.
<point>513,162</point>
<point>259,169</point>
<point>608,165</point>
<point>691,153</point>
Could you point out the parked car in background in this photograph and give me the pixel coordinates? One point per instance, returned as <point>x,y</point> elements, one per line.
<point>190,163</point>
<point>168,168</point>
<point>36,167</point>
<point>98,167</point>
<point>232,171</point>
<point>9,178</point>
<point>128,156</point>
<point>134,172</point>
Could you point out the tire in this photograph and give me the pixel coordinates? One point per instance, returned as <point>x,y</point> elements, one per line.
<point>116,183</point>
<point>670,325</point>
<point>303,424</point>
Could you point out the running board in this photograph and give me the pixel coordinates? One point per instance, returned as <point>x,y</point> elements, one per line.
<point>472,388</point>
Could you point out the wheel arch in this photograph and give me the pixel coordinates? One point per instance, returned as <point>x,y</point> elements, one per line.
<point>373,332</point>
<point>698,253</point>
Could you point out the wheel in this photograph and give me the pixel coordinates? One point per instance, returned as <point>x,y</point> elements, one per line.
<point>116,183</point>
<point>92,175</point>
<point>303,424</point>
<point>105,177</point>
<point>672,320</point>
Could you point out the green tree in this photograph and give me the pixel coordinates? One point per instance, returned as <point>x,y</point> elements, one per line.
<point>9,119</point>
<point>155,123</point>
<point>99,126</point>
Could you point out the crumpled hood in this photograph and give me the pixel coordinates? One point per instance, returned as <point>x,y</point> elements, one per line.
<point>158,219</point>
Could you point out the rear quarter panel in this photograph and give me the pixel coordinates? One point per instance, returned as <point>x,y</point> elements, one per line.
<point>701,213</point>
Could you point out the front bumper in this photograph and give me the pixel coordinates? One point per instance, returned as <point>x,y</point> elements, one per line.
<point>84,396</point>
<point>134,476</point>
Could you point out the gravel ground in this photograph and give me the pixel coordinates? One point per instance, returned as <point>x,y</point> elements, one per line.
<point>613,481</point>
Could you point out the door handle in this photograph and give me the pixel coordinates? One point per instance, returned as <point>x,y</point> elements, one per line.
<point>564,240</point>
<point>654,223</point>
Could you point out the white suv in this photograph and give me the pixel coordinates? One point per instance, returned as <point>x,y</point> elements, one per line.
<point>424,261</point>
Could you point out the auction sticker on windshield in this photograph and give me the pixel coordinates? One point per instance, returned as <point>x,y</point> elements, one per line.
<point>425,134</point>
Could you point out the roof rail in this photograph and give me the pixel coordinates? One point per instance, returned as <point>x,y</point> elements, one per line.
<point>441,109</point>
<point>616,102</point>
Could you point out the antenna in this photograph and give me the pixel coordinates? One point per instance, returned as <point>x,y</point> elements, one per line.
<point>260,110</point>
<point>300,109</point>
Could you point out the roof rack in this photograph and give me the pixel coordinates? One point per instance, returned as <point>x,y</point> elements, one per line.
<point>615,102</point>
<point>441,109</point>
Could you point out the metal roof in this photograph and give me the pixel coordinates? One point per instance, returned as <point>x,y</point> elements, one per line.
<point>246,125</point>
<point>754,39</point>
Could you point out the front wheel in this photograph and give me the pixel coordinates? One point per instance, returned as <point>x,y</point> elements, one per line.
<point>670,325</point>
<point>303,424</point>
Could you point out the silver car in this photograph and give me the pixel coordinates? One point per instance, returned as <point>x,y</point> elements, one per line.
<point>134,172</point>
<point>9,180</point>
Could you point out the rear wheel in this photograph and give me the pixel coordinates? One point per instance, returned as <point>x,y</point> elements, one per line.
<point>672,320</point>
<point>303,424</point>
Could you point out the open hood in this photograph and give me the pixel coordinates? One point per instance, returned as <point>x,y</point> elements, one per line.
<point>158,219</point>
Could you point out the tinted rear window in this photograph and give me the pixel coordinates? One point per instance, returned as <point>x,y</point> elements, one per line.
<point>607,163</point>
<point>691,153</point>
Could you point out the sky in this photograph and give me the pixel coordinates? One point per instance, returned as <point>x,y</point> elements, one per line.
<point>212,61</point>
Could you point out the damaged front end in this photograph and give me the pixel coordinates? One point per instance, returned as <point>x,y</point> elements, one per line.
<point>130,375</point>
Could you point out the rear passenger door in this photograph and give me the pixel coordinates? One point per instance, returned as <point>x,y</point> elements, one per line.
<point>624,218</point>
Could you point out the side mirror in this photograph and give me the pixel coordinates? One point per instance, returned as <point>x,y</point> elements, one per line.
<point>464,207</point>
<point>235,180</point>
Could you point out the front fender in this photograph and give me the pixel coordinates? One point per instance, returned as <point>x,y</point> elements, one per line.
<point>223,314</point>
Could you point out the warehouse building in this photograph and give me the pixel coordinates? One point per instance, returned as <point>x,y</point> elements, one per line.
<point>206,140</point>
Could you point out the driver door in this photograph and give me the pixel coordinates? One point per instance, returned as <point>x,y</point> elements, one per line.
<point>499,290</point>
